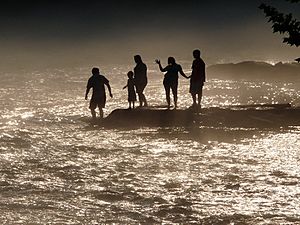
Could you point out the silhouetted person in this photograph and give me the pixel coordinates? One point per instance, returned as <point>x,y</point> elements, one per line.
<point>131,91</point>
<point>140,78</point>
<point>97,82</point>
<point>171,78</point>
<point>197,78</point>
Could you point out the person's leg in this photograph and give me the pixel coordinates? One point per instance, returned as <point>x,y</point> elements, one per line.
<point>174,91</point>
<point>144,100</point>
<point>133,104</point>
<point>144,97</point>
<point>167,89</point>
<point>101,112</point>
<point>140,98</point>
<point>92,108</point>
<point>101,105</point>
<point>93,112</point>
<point>139,93</point>
<point>194,99</point>
<point>200,96</point>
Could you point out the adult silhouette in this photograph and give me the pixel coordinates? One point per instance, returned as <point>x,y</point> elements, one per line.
<point>171,78</point>
<point>197,78</point>
<point>97,82</point>
<point>140,79</point>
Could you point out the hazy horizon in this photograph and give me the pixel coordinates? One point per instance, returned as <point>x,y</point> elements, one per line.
<point>45,33</point>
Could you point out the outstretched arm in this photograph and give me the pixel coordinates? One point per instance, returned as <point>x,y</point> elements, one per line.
<point>125,86</point>
<point>183,74</point>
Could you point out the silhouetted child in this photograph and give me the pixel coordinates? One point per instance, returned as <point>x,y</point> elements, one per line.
<point>131,90</point>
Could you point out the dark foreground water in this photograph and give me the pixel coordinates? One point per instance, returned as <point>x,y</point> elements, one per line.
<point>57,168</point>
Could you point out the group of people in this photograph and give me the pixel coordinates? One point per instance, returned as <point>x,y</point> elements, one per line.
<point>137,82</point>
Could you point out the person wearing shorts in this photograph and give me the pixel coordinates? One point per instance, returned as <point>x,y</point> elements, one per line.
<point>198,78</point>
<point>96,82</point>
<point>140,79</point>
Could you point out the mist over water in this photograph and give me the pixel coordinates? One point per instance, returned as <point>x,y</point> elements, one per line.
<point>58,168</point>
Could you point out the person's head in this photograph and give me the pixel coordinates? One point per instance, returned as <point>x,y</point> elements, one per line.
<point>95,71</point>
<point>137,59</point>
<point>130,75</point>
<point>171,60</point>
<point>196,53</point>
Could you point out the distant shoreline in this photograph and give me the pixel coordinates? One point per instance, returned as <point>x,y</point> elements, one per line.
<point>250,70</point>
<point>255,70</point>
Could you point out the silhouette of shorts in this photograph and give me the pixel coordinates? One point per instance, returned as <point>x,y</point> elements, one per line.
<point>196,87</point>
<point>170,84</point>
<point>140,86</point>
<point>100,103</point>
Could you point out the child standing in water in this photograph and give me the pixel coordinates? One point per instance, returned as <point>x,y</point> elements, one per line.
<point>131,91</point>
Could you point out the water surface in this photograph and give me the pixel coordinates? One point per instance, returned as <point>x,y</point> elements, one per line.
<point>57,168</point>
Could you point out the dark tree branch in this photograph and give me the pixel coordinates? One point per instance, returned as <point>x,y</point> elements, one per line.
<point>293,1</point>
<point>283,23</point>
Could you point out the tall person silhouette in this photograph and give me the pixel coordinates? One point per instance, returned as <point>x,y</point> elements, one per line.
<point>171,78</point>
<point>97,82</point>
<point>198,78</point>
<point>140,79</point>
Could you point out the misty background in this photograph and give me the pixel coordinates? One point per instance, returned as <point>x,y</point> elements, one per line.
<point>73,33</point>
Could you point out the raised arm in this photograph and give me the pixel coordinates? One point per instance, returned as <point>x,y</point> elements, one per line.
<point>160,67</point>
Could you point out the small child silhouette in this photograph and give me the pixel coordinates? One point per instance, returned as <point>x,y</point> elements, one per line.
<point>131,90</point>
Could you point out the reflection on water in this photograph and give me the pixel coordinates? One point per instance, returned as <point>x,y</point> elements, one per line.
<point>57,167</point>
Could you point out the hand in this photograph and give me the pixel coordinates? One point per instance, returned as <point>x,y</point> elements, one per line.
<point>86,97</point>
<point>111,95</point>
<point>157,61</point>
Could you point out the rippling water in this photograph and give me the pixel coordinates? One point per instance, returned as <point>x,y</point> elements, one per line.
<point>56,168</point>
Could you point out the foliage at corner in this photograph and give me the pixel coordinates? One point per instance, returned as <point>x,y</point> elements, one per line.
<point>283,23</point>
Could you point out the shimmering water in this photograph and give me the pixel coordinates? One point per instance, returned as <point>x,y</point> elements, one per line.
<point>56,168</point>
